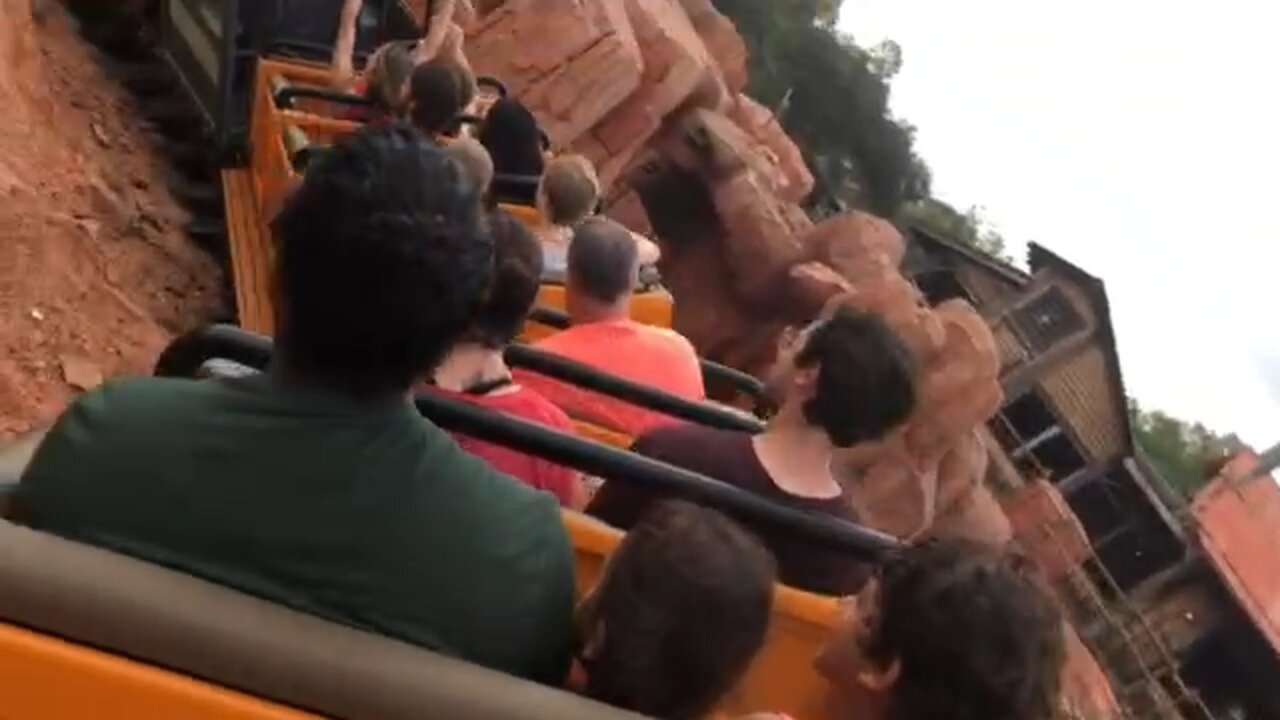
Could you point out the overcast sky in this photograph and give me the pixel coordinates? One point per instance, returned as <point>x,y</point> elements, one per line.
<point>1139,140</point>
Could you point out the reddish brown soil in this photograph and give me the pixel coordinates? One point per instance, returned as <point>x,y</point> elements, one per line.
<point>95,271</point>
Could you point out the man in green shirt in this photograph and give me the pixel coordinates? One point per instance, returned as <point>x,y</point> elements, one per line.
<point>317,485</point>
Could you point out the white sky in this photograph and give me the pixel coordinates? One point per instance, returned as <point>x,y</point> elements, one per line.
<point>1139,140</point>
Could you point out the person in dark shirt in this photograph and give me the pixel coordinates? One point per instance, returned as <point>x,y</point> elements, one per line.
<point>845,379</point>
<point>317,484</point>
<point>510,133</point>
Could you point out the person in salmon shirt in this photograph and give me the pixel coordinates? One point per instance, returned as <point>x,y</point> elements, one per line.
<point>475,371</point>
<point>602,272</point>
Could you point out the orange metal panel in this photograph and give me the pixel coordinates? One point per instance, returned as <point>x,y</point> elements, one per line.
<point>46,677</point>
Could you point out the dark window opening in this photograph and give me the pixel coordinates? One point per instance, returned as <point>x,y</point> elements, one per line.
<point>1047,318</point>
<point>1059,456</point>
<point>1234,667</point>
<point>1128,534</point>
<point>1138,552</point>
<point>1096,503</point>
<point>940,286</point>
<point>1028,416</point>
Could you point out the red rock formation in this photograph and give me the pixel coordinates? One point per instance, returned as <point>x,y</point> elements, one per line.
<point>651,91</point>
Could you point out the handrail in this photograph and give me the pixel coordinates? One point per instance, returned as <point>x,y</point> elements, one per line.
<point>613,464</point>
<point>492,82</point>
<point>584,376</point>
<point>183,357</point>
<point>515,189</point>
<point>284,96</point>
<point>712,371</point>
<point>186,355</point>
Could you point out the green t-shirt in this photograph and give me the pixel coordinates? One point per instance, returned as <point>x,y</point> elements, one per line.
<point>368,516</point>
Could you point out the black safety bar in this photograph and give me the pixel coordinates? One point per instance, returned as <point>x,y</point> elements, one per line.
<point>493,83</point>
<point>514,189</point>
<point>605,461</point>
<point>187,354</point>
<point>285,96</point>
<point>711,371</point>
<point>589,378</point>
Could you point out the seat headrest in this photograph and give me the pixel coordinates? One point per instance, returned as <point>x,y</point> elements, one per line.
<point>124,606</point>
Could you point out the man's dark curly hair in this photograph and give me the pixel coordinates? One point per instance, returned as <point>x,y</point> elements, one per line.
<point>684,604</point>
<point>517,274</point>
<point>866,378</point>
<point>976,632</point>
<point>382,259</point>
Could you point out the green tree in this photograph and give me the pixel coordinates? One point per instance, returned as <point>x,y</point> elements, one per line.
<point>836,98</point>
<point>1182,452</point>
<point>969,227</point>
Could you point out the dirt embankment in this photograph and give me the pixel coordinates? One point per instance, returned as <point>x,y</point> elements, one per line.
<point>95,270</point>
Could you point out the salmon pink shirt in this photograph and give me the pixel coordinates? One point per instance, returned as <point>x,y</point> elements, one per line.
<point>657,357</point>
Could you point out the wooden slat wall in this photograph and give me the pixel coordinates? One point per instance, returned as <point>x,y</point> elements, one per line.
<point>1012,352</point>
<point>1079,391</point>
<point>986,289</point>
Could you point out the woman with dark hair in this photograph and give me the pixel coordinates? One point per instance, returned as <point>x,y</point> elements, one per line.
<point>677,617</point>
<point>510,133</point>
<point>475,371</point>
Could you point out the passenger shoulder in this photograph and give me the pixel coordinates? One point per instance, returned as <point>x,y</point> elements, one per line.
<point>677,439</point>
<point>504,499</point>
<point>142,397</point>
<point>546,412</point>
<point>674,338</point>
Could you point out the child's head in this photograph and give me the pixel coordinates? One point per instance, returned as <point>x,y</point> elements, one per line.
<point>679,614</point>
<point>949,629</point>
<point>569,190</point>
<point>439,93</point>
<point>387,75</point>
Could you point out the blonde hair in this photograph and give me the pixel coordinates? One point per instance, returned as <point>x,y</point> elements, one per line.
<point>474,159</point>
<point>570,188</point>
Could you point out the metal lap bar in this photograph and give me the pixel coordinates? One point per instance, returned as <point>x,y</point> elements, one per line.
<point>712,371</point>
<point>589,378</point>
<point>189,353</point>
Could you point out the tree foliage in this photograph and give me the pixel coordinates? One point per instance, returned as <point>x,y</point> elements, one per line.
<point>836,98</point>
<point>1184,453</point>
<point>969,227</point>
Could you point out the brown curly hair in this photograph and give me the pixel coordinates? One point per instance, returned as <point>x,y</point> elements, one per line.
<point>977,634</point>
